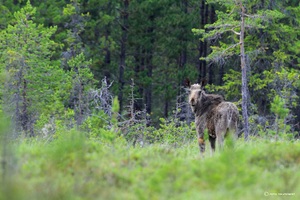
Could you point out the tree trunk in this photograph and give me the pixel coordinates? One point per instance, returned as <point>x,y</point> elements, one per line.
<point>149,66</point>
<point>166,108</point>
<point>221,73</point>
<point>138,103</point>
<point>244,74</point>
<point>182,61</point>
<point>122,64</point>
<point>204,66</point>
<point>210,14</point>
<point>183,55</point>
<point>107,48</point>
<point>201,49</point>
<point>26,117</point>
<point>24,112</point>
<point>108,45</point>
<point>148,91</point>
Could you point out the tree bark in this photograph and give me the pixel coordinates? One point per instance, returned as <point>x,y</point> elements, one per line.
<point>122,64</point>
<point>139,62</point>
<point>183,56</point>
<point>202,45</point>
<point>182,61</point>
<point>210,14</point>
<point>244,74</point>
<point>149,66</point>
<point>166,108</point>
<point>24,112</point>
<point>148,91</point>
<point>108,45</point>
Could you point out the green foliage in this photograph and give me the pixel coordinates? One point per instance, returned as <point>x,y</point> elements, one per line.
<point>172,132</point>
<point>5,16</point>
<point>269,52</point>
<point>160,54</point>
<point>139,133</point>
<point>96,126</point>
<point>115,110</point>
<point>27,49</point>
<point>175,132</point>
<point>69,10</point>
<point>278,107</point>
<point>4,125</point>
<point>115,105</point>
<point>80,72</point>
<point>74,167</point>
<point>232,85</point>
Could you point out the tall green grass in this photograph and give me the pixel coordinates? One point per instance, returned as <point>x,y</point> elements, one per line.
<point>75,167</point>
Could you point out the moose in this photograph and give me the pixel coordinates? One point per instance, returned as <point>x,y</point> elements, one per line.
<point>219,117</point>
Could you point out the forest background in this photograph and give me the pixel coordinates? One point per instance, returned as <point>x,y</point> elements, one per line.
<point>56,55</point>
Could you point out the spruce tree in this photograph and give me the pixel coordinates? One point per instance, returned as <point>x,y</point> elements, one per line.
<point>32,79</point>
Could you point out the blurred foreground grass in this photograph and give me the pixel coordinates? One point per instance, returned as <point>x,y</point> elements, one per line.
<point>74,167</point>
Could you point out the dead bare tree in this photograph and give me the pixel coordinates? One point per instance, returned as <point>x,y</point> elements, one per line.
<point>136,121</point>
<point>183,111</point>
<point>244,73</point>
<point>101,99</point>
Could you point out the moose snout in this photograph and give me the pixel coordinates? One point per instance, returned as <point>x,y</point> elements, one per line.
<point>192,102</point>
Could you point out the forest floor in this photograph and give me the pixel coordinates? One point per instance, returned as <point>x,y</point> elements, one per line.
<point>74,167</point>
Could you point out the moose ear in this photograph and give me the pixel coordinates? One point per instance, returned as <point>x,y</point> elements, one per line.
<point>203,83</point>
<point>187,83</point>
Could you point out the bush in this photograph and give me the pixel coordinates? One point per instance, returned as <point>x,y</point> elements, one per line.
<point>170,132</point>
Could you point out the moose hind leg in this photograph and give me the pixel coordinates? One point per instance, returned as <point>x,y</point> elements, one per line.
<point>220,134</point>
<point>220,139</point>
<point>212,140</point>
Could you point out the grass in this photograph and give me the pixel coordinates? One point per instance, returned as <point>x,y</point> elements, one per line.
<point>74,167</point>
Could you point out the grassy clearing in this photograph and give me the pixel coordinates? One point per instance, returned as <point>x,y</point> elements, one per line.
<point>74,167</point>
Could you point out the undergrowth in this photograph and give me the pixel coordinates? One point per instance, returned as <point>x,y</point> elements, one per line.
<point>74,166</point>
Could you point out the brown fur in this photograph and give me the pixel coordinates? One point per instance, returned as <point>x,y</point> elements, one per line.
<point>214,114</point>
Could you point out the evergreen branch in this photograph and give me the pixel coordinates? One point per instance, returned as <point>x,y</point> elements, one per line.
<point>215,34</point>
<point>252,16</point>
<point>220,26</point>
<point>237,33</point>
<point>219,54</point>
<point>230,47</point>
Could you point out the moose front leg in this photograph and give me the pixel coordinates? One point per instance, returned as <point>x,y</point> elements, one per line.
<point>200,123</point>
<point>201,141</point>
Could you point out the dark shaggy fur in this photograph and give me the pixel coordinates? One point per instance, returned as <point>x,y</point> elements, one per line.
<point>214,114</point>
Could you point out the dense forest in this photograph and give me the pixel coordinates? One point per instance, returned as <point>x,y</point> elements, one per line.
<point>65,61</point>
<point>94,98</point>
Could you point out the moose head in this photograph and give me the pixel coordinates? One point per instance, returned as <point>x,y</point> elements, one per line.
<point>196,92</point>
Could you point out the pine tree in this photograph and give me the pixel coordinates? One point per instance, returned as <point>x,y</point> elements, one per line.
<point>32,80</point>
<point>75,62</point>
